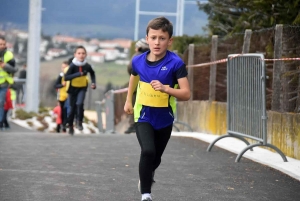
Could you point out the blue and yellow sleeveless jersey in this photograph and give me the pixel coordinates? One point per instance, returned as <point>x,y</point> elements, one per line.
<point>152,106</point>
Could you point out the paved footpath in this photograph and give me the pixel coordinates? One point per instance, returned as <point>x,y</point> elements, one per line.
<point>58,167</point>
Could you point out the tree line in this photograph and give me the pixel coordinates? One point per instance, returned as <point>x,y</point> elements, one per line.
<point>226,17</point>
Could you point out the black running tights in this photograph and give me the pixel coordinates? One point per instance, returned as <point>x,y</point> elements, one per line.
<point>153,143</point>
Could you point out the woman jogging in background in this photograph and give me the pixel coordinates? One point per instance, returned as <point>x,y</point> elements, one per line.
<point>76,74</point>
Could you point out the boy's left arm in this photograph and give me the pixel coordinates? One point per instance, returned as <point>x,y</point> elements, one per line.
<point>93,77</point>
<point>70,74</point>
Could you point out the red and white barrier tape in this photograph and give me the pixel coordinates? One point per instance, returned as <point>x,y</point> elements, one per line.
<point>283,59</point>
<point>209,63</point>
<point>225,60</point>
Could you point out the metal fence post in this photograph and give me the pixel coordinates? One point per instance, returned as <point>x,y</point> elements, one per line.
<point>276,98</point>
<point>109,111</point>
<point>247,41</point>
<point>99,108</point>
<point>213,68</point>
<point>191,70</point>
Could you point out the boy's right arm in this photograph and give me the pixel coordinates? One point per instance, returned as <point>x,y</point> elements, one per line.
<point>71,75</point>
<point>58,84</point>
<point>133,82</point>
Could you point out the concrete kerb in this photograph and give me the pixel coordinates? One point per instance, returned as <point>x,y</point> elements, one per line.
<point>260,155</point>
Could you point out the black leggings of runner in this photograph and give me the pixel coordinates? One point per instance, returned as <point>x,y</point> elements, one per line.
<point>153,143</point>
<point>76,106</point>
<point>4,121</point>
<point>58,128</point>
<point>63,112</point>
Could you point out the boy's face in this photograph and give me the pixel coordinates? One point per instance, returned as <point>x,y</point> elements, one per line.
<point>158,42</point>
<point>63,66</point>
<point>80,54</point>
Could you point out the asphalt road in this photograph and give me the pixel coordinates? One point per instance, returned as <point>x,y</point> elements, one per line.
<point>58,167</point>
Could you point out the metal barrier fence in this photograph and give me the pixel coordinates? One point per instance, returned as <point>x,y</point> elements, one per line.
<point>246,102</point>
<point>21,85</point>
<point>99,110</point>
<point>106,106</point>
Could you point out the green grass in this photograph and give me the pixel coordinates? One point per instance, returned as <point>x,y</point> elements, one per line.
<point>111,72</point>
<point>51,69</point>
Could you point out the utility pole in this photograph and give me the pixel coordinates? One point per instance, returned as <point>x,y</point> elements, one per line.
<point>138,12</point>
<point>179,14</point>
<point>33,56</point>
<point>137,20</point>
<point>181,17</point>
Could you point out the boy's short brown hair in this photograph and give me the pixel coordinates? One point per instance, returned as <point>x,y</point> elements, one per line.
<point>160,23</point>
<point>79,47</point>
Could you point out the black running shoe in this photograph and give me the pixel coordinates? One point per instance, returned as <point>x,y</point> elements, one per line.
<point>79,126</point>
<point>71,130</point>
<point>64,129</point>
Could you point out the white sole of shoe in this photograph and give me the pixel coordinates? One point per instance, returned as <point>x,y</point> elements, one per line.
<point>139,186</point>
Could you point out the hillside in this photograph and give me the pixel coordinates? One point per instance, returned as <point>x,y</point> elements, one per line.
<point>98,18</point>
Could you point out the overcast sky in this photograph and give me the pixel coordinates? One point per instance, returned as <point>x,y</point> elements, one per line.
<point>101,18</point>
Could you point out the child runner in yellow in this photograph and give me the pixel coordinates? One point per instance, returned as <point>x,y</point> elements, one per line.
<point>160,76</point>
<point>62,86</point>
<point>76,73</point>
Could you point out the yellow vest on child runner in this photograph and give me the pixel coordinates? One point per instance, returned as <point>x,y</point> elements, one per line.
<point>149,97</point>
<point>79,81</point>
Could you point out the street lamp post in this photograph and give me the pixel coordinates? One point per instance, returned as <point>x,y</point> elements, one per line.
<point>33,56</point>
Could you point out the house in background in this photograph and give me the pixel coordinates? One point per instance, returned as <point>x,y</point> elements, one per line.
<point>96,57</point>
<point>68,39</point>
<point>115,50</point>
<point>55,52</point>
<point>91,48</point>
<point>51,47</point>
<point>111,54</point>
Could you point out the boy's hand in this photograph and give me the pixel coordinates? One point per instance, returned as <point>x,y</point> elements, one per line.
<point>2,64</point>
<point>128,107</point>
<point>93,86</point>
<point>158,86</point>
<point>83,73</point>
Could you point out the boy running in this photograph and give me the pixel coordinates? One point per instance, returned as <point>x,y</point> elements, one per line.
<point>160,76</point>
